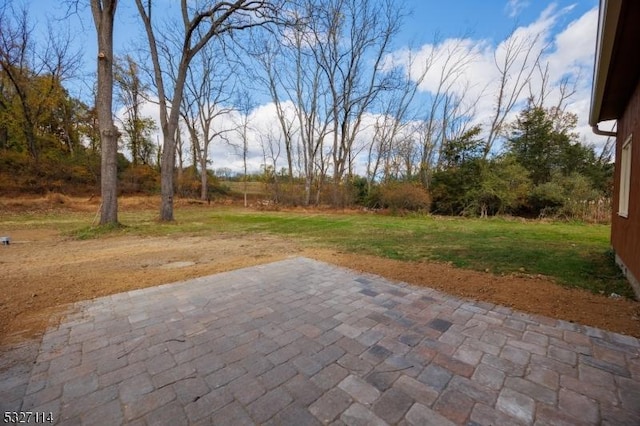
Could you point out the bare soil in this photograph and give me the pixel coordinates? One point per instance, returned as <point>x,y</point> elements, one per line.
<point>42,272</point>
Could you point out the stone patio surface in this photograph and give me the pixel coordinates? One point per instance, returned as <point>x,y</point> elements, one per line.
<point>300,342</point>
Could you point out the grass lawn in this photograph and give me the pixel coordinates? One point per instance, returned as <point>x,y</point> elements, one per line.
<point>574,254</point>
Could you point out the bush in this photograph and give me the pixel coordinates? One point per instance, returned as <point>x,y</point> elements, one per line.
<point>289,194</point>
<point>569,197</point>
<point>404,196</point>
<point>14,162</point>
<point>57,198</point>
<point>547,198</point>
<point>139,178</point>
<point>452,190</point>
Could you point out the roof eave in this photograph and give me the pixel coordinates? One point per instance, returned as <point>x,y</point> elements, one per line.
<point>607,28</point>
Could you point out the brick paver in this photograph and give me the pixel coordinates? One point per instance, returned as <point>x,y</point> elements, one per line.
<point>304,342</point>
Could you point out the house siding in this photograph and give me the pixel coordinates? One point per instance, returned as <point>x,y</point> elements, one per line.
<point>625,232</point>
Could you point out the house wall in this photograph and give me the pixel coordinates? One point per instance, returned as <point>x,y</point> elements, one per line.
<point>625,232</point>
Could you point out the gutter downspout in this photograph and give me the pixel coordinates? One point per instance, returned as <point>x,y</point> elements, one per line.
<point>599,132</point>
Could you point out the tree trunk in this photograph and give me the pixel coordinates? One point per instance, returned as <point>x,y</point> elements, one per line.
<point>166,176</point>
<point>103,15</point>
<point>204,178</point>
<point>179,177</point>
<point>109,176</point>
<point>244,178</point>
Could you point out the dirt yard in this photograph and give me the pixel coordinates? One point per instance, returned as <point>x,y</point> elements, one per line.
<point>42,271</point>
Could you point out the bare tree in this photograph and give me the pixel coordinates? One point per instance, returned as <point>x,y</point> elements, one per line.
<point>392,128</point>
<point>132,94</point>
<point>291,72</point>
<point>180,147</point>
<point>516,62</point>
<point>350,34</point>
<point>444,103</point>
<point>308,89</point>
<point>200,23</point>
<point>539,93</point>
<point>270,59</point>
<point>208,89</point>
<point>271,147</point>
<point>103,12</point>
<point>245,105</point>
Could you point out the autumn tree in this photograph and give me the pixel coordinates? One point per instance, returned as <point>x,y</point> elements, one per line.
<point>31,76</point>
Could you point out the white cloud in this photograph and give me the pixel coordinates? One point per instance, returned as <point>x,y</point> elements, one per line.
<point>568,51</point>
<point>573,56</point>
<point>227,151</point>
<point>262,123</point>
<point>574,47</point>
<point>514,7</point>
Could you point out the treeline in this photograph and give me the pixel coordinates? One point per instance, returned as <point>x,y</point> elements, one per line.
<point>353,123</point>
<point>543,171</point>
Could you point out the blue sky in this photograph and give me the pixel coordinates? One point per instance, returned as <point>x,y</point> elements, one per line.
<point>567,27</point>
<point>482,27</point>
<point>486,19</point>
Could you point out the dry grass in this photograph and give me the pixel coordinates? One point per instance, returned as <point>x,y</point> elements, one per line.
<point>253,188</point>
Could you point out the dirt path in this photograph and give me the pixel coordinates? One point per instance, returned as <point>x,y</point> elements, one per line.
<point>42,271</point>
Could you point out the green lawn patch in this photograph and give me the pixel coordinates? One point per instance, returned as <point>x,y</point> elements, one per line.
<point>574,254</point>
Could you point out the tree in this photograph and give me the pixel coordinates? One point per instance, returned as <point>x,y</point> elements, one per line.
<point>446,113</point>
<point>565,173</point>
<point>208,88</point>
<point>103,12</point>
<point>244,105</point>
<point>291,72</point>
<point>271,149</point>
<point>457,182</point>
<point>31,77</point>
<point>308,89</point>
<point>200,23</point>
<point>543,142</point>
<point>503,186</point>
<point>392,129</point>
<point>452,190</point>
<point>516,60</point>
<point>270,52</point>
<point>349,34</point>
<point>137,128</point>
<point>465,148</point>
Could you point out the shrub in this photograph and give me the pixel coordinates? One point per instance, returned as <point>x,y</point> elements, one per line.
<point>568,197</point>
<point>290,194</point>
<point>139,178</point>
<point>404,196</point>
<point>57,198</point>
<point>547,198</point>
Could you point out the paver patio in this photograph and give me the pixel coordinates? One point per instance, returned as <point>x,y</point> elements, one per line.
<point>300,342</point>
